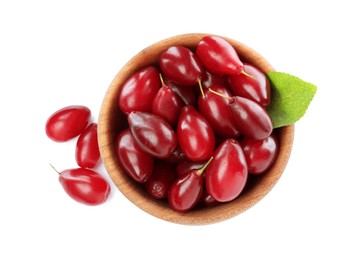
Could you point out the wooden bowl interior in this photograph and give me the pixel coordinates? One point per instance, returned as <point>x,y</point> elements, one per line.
<point>112,121</point>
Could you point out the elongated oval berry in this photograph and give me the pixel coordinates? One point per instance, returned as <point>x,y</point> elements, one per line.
<point>153,134</point>
<point>219,56</point>
<point>167,105</point>
<point>85,186</point>
<point>186,191</point>
<point>195,135</point>
<point>87,153</point>
<point>181,65</point>
<point>260,154</point>
<point>138,91</point>
<point>217,112</point>
<point>67,123</point>
<point>161,179</point>
<point>250,118</point>
<point>256,88</point>
<point>226,175</point>
<point>133,160</point>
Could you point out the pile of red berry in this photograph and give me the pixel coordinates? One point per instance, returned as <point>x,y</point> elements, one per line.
<point>197,125</point>
<point>82,184</point>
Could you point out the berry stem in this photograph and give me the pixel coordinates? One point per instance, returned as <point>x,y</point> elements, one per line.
<point>246,74</point>
<point>200,87</point>
<point>200,171</point>
<point>221,95</point>
<point>54,168</point>
<point>162,80</point>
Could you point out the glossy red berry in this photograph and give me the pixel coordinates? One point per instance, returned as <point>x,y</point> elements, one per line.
<point>87,153</point>
<point>195,135</point>
<point>67,123</point>
<point>187,190</point>
<point>226,175</point>
<point>250,118</point>
<point>138,91</point>
<point>260,154</point>
<point>181,65</point>
<point>256,88</point>
<point>217,112</point>
<point>219,56</point>
<point>85,186</point>
<point>133,160</point>
<point>167,105</point>
<point>153,134</point>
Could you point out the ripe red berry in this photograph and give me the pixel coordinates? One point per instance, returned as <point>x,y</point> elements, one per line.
<point>85,186</point>
<point>138,91</point>
<point>67,123</point>
<point>133,160</point>
<point>219,56</point>
<point>195,135</point>
<point>87,153</point>
<point>260,154</point>
<point>226,175</point>
<point>181,65</point>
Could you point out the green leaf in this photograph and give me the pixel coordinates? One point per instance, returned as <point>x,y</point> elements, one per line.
<point>290,98</point>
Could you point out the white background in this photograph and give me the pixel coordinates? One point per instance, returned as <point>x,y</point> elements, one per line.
<point>59,53</point>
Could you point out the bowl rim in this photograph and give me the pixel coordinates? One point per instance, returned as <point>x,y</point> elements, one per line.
<point>107,132</point>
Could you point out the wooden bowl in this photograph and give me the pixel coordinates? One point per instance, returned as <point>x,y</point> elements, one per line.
<point>111,121</point>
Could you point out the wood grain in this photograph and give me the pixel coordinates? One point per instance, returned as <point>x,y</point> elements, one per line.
<point>111,121</point>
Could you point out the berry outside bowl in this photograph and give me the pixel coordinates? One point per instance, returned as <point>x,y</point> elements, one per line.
<point>112,121</point>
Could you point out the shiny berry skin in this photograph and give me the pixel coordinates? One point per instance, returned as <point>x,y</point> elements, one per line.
<point>186,191</point>
<point>195,135</point>
<point>217,112</point>
<point>187,165</point>
<point>67,123</point>
<point>138,91</point>
<point>256,88</point>
<point>260,154</point>
<point>85,186</point>
<point>167,105</point>
<point>210,79</point>
<point>87,153</point>
<point>250,118</point>
<point>219,56</point>
<point>181,65</point>
<point>153,134</point>
<point>159,183</point>
<point>226,175</point>
<point>133,160</point>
